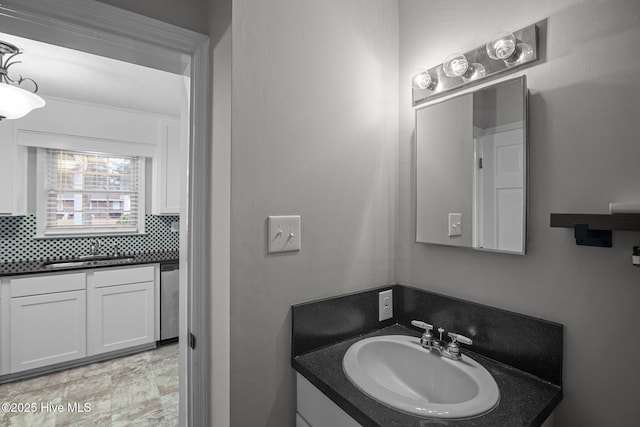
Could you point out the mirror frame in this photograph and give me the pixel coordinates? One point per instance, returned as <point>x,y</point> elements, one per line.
<point>525,121</point>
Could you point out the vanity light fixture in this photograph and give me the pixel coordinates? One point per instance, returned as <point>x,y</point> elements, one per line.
<point>504,53</point>
<point>15,102</point>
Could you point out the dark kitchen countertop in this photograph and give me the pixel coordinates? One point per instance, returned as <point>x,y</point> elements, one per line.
<point>36,266</point>
<point>525,400</point>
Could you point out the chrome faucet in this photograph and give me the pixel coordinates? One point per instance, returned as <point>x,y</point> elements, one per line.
<point>94,247</point>
<point>450,349</point>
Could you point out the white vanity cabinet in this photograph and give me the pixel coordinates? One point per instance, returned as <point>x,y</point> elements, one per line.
<point>314,409</point>
<point>46,320</point>
<point>121,307</point>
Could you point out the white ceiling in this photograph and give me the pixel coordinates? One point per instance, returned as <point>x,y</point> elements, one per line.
<point>71,74</point>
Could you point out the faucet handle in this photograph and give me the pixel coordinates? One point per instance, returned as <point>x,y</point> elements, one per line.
<point>460,338</point>
<point>418,324</point>
<point>426,340</point>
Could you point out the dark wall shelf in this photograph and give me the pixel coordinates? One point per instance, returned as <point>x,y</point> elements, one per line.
<point>630,222</point>
<point>595,229</point>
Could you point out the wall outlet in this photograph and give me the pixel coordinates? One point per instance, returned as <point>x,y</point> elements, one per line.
<point>385,305</point>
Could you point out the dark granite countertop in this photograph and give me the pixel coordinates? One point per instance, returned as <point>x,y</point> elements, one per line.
<point>37,266</point>
<point>525,400</point>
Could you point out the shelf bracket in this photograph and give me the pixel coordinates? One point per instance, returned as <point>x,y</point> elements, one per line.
<point>586,237</point>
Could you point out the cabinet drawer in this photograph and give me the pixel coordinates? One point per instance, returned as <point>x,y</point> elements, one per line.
<point>122,276</point>
<point>47,284</point>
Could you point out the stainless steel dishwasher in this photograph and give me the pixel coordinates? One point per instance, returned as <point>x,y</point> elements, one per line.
<point>169,292</point>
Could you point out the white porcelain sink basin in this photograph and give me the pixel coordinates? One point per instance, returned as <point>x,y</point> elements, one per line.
<point>397,372</point>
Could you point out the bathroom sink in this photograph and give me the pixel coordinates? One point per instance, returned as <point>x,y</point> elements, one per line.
<point>398,372</point>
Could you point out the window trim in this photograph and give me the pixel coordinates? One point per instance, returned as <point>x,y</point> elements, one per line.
<point>42,201</point>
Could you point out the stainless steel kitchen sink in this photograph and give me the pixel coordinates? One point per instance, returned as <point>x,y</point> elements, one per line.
<point>88,261</point>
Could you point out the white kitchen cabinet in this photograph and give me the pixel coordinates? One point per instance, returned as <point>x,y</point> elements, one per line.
<point>46,320</point>
<point>168,166</point>
<point>121,307</point>
<point>51,318</point>
<point>13,172</point>
<point>314,409</point>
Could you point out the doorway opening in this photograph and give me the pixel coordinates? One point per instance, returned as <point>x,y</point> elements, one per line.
<point>113,34</point>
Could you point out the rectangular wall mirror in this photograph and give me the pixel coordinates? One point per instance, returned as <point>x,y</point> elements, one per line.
<point>471,169</point>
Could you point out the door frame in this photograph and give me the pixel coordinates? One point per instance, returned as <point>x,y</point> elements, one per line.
<point>109,31</point>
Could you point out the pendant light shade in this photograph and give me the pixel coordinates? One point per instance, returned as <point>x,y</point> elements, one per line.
<point>15,102</point>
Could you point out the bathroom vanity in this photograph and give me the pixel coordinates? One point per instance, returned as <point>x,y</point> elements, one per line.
<point>522,354</point>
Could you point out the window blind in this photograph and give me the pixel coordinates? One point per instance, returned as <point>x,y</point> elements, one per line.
<point>87,192</point>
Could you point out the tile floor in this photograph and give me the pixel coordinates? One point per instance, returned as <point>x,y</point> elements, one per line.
<point>138,390</point>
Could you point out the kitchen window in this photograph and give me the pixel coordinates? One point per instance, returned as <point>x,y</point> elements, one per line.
<point>83,193</point>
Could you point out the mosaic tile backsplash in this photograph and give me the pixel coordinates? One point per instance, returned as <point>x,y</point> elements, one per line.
<point>17,241</point>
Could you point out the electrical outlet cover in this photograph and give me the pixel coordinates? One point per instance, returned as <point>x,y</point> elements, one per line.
<point>385,305</point>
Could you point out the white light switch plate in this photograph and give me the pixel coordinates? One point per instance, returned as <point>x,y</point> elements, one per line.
<point>284,233</point>
<point>455,224</point>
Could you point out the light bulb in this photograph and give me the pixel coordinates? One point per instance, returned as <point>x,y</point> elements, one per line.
<point>504,46</point>
<point>455,65</point>
<point>424,80</point>
<point>501,45</point>
<point>524,53</point>
<point>474,72</point>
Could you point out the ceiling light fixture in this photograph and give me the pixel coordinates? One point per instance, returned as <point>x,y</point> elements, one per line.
<point>15,102</point>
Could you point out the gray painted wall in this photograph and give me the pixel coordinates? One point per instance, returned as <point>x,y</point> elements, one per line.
<point>584,153</point>
<point>314,133</point>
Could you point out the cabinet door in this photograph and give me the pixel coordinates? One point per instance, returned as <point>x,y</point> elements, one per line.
<point>6,168</point>
<point>13,172</point>
<point>47,329</point>
<point>167,170</point>
<point>317,410</point>
<point>120,317</point>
